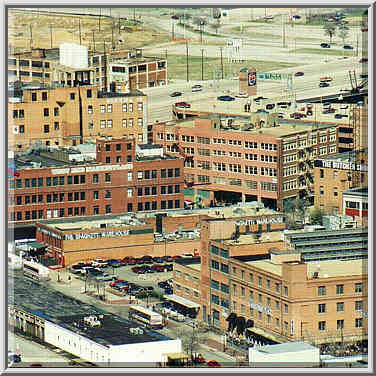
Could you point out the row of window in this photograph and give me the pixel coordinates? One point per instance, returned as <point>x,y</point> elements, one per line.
<point>52,197</point>
<point>340,289</point>
<point>95,210</point>
<point>125,123</point>
<point>187,291</point>
<point>52,181</point>
<point>250,184</point>
<point>126,107</point>
<point>164,189</point>
<point>153,174</point>
<point>340,307</point>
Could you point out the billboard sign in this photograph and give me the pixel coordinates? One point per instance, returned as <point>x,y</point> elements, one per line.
<point>251,78</point>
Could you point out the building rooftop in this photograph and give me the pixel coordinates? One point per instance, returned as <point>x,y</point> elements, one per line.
<point>323,235</point>
<point>264,237</point>
<point>95,222</point>
<point>359,191</point>
<point>338,268</point>
<point>110,94</point>
<point>287,347</point>
<point>267,266</point>
<point>52,305</point>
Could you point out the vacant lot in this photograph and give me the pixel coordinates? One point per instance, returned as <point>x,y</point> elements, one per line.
<point>177,66</point>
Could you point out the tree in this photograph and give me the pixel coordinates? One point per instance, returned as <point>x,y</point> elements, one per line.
<point>316,216</point>
<point>216,25</point>
<point>343,33</point>
<point>190,339</point>
<point>330,30</point>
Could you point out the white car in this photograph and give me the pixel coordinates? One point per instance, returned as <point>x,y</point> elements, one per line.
<point>242,95</point>
<point>107,277</point>
<point>99,263</point>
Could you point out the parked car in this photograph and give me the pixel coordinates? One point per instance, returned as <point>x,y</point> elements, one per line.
<point>329,111</point>
<point>257,99</point>
<point>167,258</point>
<point>299,74</point>
<point>140,261</point>
<point>226,98</point>
<point>176,94</point>
<point>344,107</point>
<point>99,263</point>
<point>174,17</point>
<point>363,60</point>
<point>364,29</point>
<point>323,84</point>
<point>262,111</point>
<point>241,95</point>
<point>270,106</point>
<point>158,260</point>
<point>281,115</point>
<point>213,363</point>
<point>309,113</point>
<point>363,75</point>
<point>123,262</point>
<point>297,115</point>
<point>340,116</point>
<point>168,291</point>
<point>116,282</point>
<point>114,263</point>
<point>183,104</point>
<point>106,277</point>
<point>348,47</point>
<point>326,79</point>
<point>95,272</point>
<point>325,45</point>
<point>130,260</point>
<point>196,88</point>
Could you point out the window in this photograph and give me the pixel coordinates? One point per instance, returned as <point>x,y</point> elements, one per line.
<point>34,97</point>
<point>224,268</point>
<point>260,298</point>
<point>46,112</point>
<point>286,308</point>
<point>260,281</point>
<point>109,108</point>
<point>251,277</point>
<point>243,291</point>
<point>108,209</point>
<point>130,107</point>
<point>285,291</point>
<point>107,177</point>
<point>88,93</point>
<point>321,308</point>
<point>124,107</point>
<point>277,322</point>
<point>103,123</point>
<point>56,111</point>
<point>340,306</point>
<point>46,128</point>
<point>359,323</point>
<point>322,325</point>
<point>359,305</point>
<point>108,193</point>
<point>109,123</point>
<point>339,289</point>
<point>340,324</point>
<point>277,287</point>
<point>95,178</point>
<point>358,287</point>
<point>90,110</point>
<point>72,96</point>
<point>321,291</point>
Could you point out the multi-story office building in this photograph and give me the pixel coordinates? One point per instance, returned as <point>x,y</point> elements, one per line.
<point>355,204</point>
<point>126,178</point>
<point>257,157</point>
<point>119,70</point>
<point>67,116</point>
<point>335,174</point>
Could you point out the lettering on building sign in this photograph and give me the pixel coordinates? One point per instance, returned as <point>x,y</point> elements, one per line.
<point>260,221</point>
<point>96,235</point>
<point>341,165</point>
<point>260,307</point>
<point>60,171</point>
<point>49,233</point>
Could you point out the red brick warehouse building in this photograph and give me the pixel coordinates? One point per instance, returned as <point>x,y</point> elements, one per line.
<point>125,178</point>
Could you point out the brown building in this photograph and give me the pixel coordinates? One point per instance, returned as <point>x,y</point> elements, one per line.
<point>125,178</point>
<point>118,70</point>
<point>335,174</point>
<point>254,157</point>
<point>67,116</point>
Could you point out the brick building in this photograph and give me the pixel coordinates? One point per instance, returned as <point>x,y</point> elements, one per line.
<point>257,157</point>
<point>67,116</point>
<point>335,174</point>
<point>119,70</point>
<point>125,178</point>
<point>355,204</point>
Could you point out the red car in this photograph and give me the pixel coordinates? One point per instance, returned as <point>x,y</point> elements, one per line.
<point>213,363</point>
<point>176,257</point>
<point>123,262</point>
<point>132,261</point>
<point>364,29</point>
<point>326,79</point>
<point>297,115</point>
<point>140,261</point>
<point>183,104</point>
<point>329,111</point>
<point>114,283</point>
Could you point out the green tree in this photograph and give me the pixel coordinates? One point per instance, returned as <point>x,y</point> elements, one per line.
<point>191,339</point>
<point>330,30</point>
<point>316,216</point>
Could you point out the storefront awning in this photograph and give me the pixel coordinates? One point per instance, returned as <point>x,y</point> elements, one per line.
<point>182,301</point>
<point>37,245</point>
<point>266,335</point>
<point>176,356</point>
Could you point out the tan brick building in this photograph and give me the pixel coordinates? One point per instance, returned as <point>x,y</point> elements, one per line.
<point>248,158</point>
<point>335,174</point>
<point>67,116</point>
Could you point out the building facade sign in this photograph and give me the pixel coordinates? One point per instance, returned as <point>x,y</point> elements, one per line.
<point>260,307</point>
<point>260,221</point>
<point>340,165</point>
<point>73,170</point>
<point>96,235</point>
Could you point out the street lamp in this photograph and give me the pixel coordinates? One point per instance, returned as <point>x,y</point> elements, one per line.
<point>202,64</point>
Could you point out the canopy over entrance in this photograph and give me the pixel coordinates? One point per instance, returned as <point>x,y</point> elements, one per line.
<point>182,301</point>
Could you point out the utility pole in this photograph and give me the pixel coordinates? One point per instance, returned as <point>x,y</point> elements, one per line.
<point>221,48</point>
<point>31,38</point>
<point>112,35</point>
<point>94,41</point>
<point>202,64</point>
<point>186,44</point>
<point>79,30</point>
<point>134,15</point>
<point>51,35</point>
<point>119,24</point>
<point>173,34</point>
<point>283,32</point>
<point>99,20</point>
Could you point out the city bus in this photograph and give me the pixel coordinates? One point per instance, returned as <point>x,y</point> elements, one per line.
<point>35,271</point>
<point>146,316</point>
